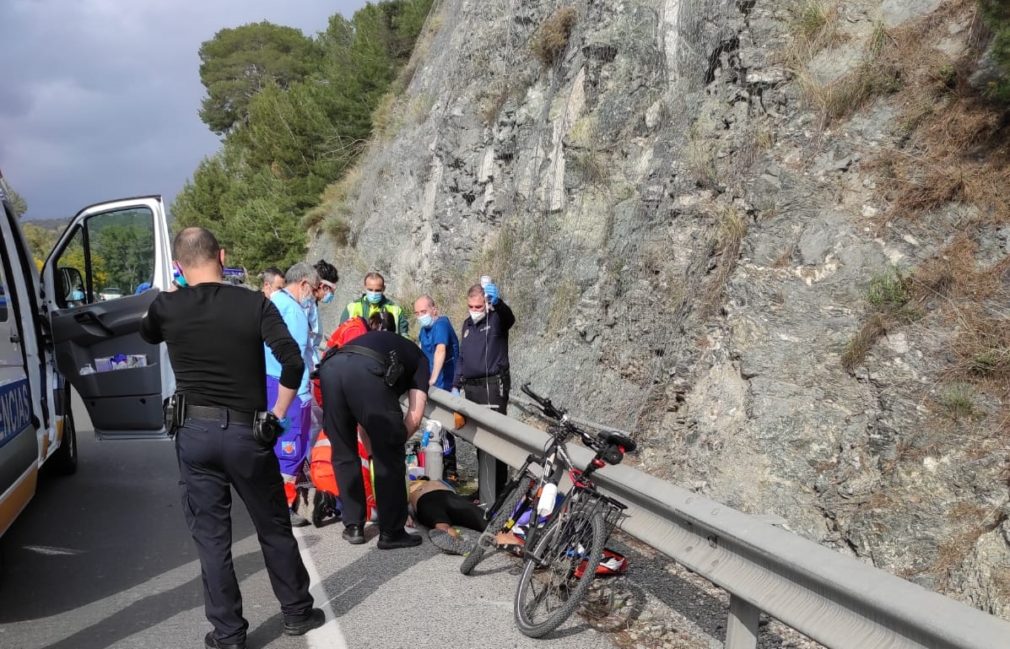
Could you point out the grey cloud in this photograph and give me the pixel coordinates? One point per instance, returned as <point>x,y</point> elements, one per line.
<point>99,98</point>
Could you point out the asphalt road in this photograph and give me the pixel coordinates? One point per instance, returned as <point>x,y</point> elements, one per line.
<point>103,559</point>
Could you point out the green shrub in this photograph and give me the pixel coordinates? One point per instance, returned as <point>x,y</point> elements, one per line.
<point>996,14</point>
<point>888,291</point>
<point>890,296</point>
<point>991,362</point>
<point>959,401</point>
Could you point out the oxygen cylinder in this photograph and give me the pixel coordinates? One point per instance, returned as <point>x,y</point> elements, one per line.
<point>433,451</point>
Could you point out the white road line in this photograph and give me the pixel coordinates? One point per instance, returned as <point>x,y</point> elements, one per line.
<point>328,636</point>
<point>52,551</point>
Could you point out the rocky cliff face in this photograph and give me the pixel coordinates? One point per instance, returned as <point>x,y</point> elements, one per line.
<point>690,206</point>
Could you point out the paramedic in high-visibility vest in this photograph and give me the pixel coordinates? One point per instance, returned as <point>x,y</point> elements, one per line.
<point>292,446</point>
<point>373,301</point>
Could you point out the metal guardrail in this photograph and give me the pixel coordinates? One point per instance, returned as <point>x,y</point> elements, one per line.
<point>836,600</point>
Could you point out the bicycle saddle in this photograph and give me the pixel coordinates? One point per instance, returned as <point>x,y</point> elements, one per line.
<point>619,439</point>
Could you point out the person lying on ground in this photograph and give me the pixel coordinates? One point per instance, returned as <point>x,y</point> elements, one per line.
<point>439,508</point>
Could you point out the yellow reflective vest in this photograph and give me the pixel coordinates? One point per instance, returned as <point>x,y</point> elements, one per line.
<point>362,308</point>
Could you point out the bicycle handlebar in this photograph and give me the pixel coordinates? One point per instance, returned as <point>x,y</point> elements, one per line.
<point>545,404</point>
<point>610,447</point>
<point>558,414</point>
<point>533,395</point>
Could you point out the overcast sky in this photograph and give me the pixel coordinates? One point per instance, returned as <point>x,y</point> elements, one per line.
<point>99,98</point>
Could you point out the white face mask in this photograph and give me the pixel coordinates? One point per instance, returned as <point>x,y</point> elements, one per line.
<point>477,316</point>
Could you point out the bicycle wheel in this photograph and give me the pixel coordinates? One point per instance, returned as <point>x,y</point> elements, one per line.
<point>486,539</point>
<point>550,586</point>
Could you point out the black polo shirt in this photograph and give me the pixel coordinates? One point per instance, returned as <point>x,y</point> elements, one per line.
<point>215,335</point>
<point>416,371</point>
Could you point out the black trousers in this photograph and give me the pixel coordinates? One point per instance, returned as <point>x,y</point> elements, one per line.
<point>493,391</point>
<point>450,508</point>
<point>354,393</point>
<point>212,460</point>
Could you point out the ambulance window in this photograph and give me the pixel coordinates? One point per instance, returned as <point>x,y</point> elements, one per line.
<point>111,257</point>
<point>70,275</point>
<point>122,252</point>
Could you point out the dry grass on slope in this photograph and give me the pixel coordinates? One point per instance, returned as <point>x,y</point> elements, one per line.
<point>551,40</point>
<point>952,150</point>
<point>955,151</point>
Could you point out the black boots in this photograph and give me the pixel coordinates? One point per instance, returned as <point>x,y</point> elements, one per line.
<point>304,623</point>
<point>354,534</point>
<point>395,540</point>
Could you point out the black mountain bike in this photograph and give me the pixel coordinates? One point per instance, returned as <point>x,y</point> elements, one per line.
<point>564,542</point>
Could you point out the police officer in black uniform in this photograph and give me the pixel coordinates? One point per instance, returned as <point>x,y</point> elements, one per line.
<point>361,384</point>
<point>215,334</point>
<point>482,369</point>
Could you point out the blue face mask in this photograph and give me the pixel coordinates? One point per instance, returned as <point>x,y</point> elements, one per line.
<point>327,298</point>
<point>373,296</point>
<point>76,295</point>
<point>426,320</point>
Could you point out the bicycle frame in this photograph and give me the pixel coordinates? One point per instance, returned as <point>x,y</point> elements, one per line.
<point>555,461</point>
<point>553,470</point>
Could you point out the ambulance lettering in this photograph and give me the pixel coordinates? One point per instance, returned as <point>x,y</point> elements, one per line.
<point>15,410</point>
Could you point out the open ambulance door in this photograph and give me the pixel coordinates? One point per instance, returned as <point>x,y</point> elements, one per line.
<point>99,281</point>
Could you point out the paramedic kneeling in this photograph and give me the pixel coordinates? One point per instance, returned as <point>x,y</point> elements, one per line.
<point>215,334</point>
<point>361,384</point>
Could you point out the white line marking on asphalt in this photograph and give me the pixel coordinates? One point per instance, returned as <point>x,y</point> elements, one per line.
<point>349,588</point>
<point>51,551</point>
<point>328,636</point>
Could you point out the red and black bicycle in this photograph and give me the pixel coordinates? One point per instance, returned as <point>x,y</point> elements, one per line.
<point>565,533</point>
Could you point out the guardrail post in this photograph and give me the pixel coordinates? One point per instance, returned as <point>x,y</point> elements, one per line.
<point>742,627</point>
<point>486,476</point>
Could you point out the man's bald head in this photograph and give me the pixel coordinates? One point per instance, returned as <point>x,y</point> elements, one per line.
<point>195,247</point>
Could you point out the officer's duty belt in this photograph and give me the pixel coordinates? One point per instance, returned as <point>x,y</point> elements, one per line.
<point>477,380</point>
<point>365,351</point>
<point>223,415</point>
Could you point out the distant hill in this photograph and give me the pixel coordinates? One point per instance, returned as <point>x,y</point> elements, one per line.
<point>49,224</point>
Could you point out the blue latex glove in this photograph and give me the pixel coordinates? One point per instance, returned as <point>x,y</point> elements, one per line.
<point>455,392</point>
<point>491,292</point>
<point>285,423</point>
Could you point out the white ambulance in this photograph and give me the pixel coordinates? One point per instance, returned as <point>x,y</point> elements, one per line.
<point>66,326</point>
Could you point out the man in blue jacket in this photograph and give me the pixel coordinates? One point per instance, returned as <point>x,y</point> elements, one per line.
<point>482,370</point>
